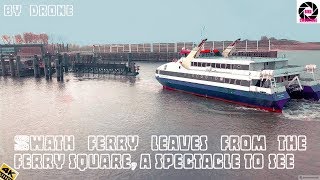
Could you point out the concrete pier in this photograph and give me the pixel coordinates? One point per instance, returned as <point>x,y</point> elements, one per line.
<point>11,65</point>
<point>3,66</point>
<point>36,68</point>
<point>18,62</point>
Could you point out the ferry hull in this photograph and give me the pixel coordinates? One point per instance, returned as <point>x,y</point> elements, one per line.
<point>273,103</point>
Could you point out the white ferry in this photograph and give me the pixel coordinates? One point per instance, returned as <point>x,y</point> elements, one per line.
<point>258,82</point>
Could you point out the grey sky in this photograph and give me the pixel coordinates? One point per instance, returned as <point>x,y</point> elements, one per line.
<point>138,21</point>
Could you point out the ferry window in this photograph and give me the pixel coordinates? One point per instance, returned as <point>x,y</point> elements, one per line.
<point>245,83</point>
<point>223,66</point>
<point>157,71</point>
<point>245,67</point>
<point>232,81</point>
<point>226,80</point>
<point>234,66</point>
<point>203,64</point>
<point>213,65</point>
<point>228,66</point>
<point>239,66</point>
<point>208,64</point>
<point>217,79</point>
<point>217,65</point>
<point>192,63</point>
<point>238,82</point>
<point>221,79</point>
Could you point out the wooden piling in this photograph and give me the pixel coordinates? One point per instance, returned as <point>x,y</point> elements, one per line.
<point>59,67</point>
<point>78,58</point>
<point>46,67</point>
<point>11,65</point>
<point>18,61</point>
<point>3,66</point>
<point>49,65</point>
<point>65,62</point>
<point>36,68</point>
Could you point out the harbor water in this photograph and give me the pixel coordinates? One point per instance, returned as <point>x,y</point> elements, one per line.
<point>116,105</point>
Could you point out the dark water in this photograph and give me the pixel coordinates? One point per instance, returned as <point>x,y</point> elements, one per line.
<point>110,105</point>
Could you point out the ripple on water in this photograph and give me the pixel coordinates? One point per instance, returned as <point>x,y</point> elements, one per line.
<point>302,110</point>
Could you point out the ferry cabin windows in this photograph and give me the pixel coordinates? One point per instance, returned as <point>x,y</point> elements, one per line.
<point>285,78</point>
<point>244,83</point>
<point>207,78</point>
<point>220,65</point>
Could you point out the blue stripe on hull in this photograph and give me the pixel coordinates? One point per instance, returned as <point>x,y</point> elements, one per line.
<point>273,102</point>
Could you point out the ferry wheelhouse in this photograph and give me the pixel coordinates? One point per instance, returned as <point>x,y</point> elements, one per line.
<point>258,82</point>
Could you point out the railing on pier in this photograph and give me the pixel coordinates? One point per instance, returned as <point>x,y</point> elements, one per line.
<point>262,45</point>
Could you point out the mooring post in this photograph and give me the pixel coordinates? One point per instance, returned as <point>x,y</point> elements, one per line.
<point>46,67</point>
<point>11,65</point>
<point>36,68</point>
<point>129,68</point>
<point>49,65</point>
<point>59,67</point>
<point>78,58</point>
<point>3,66</point>
<point>18,61</point>
<point>94,59</point>
<point>65,62</point>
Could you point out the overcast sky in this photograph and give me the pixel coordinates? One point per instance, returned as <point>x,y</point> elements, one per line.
<point>139,21</point>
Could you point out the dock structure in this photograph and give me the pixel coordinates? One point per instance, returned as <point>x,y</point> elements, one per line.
<point>17,61</point>
<point>97,65</point>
